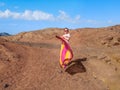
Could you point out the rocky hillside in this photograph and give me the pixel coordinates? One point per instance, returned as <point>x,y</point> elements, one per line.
<point>30,60</point>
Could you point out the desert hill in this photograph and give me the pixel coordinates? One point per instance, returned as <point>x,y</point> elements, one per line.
<point>30,60</point>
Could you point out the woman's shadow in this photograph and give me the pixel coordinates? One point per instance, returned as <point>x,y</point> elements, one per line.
<point>76,66</point>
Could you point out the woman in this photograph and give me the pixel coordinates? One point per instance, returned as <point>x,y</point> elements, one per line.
<point>66,35</point>
<point>66,52</point>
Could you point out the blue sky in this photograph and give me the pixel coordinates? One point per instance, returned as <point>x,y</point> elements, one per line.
<point>26,15</point>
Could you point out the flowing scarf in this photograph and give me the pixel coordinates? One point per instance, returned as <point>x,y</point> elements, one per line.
<point>66,53</point>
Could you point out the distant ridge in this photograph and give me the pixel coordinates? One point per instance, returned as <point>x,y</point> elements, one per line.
<point>4,34</point>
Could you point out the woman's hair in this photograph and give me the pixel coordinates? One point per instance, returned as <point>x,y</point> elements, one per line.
<point>66,29</point>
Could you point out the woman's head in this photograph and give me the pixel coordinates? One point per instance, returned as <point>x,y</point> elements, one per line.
<point>66,30</point>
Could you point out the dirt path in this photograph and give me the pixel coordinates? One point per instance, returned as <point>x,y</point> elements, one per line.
<point>42,72</point>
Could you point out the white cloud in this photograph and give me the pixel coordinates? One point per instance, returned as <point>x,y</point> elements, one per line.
<point>39,15</point>
<point>95,22</point>
<point>63,16</point>
<point>77,17</point>
<point>2,4</point>
<point>109,21</point>
<point>7,14</point>
<point>26,15</point>
<point>92,21</point>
